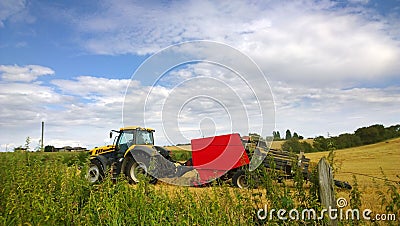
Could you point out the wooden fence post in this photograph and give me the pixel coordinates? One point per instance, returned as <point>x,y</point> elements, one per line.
<point>326,192</point>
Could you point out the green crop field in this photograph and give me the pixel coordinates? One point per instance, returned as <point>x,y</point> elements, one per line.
<point>51,189</point>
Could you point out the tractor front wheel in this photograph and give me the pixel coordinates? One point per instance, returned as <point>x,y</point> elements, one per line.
<point>95,172</point>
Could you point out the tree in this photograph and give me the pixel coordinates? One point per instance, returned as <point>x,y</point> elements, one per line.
<point>347,140</point>
<point>27,143</point>
<point>321,144</point>
<point>295,146</point>
<point>277,135</point>
<point>256,137</point>
<point>49,148</point>
<point>292,145</point>
<point>392,131</point>
<point>295,135</point>
<point>371,134</point>
<point>288,135</point>
<point>306,147</point>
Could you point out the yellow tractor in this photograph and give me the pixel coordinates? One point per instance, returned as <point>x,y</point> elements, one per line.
<point>132,153</point>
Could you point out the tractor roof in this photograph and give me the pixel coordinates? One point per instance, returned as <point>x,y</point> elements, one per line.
<point>136,128</point>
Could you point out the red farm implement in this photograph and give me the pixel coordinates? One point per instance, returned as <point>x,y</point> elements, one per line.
<point>227,157</point>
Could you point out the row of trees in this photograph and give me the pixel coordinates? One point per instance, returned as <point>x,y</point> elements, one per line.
<point>288,135</point>
<point>362,136</point>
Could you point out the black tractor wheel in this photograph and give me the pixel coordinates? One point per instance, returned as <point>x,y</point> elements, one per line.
<point>95,172</point>
<point>240,179</point>
<point>137,169</point>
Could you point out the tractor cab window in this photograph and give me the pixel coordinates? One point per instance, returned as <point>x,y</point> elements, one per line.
<point>125,140</point>
<point>144,137</point>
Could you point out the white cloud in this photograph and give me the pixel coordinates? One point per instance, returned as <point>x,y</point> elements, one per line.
<point>14,10</point>
<point>26,103</point>
<point>292,41</point>
<point>88,107</point>
<point>93,87</point>
<point>9,8</point>
<point>316,111</point>
<point>189,94</point>
<point>130,30</point>
<point>78,111</point>
<point>29,73</point>
<point>358,1</point>
<point>323,48</point>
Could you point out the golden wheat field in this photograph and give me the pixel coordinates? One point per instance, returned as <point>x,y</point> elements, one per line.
<point>368,163</point>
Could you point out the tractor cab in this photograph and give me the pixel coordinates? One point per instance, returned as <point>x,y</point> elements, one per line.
<point>126,138</point>
<point>130,136</point>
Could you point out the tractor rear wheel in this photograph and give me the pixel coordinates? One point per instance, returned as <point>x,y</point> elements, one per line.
<point>136,170</point>
<point>95,172</point>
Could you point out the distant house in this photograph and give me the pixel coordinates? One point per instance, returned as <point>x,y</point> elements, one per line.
<point>79,149</point>
<point>70,149</point>
<point>20,149</point>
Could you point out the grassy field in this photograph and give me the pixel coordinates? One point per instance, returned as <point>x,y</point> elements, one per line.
<point>51,189</point>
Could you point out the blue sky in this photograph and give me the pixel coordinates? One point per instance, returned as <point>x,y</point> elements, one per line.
<point>332,65</point>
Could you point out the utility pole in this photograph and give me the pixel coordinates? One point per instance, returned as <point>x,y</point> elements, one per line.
<point>41,145</point>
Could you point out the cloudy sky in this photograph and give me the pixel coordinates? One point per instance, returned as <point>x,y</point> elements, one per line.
<point>331,66</point>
